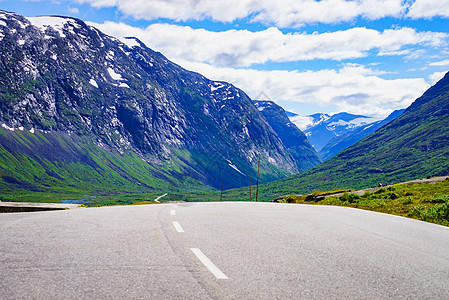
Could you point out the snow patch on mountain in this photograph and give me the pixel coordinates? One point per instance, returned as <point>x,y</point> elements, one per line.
<point>43,23</point>
<point>215,86</point>
<point>7,127</point>
<point>234,166</point>
<point>130,42</point>
<point>306,122</point>
<point>353,123</point>
<point>93,82</point>
<point>114,75</point>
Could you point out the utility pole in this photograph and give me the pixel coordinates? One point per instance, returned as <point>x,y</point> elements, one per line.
<point>249,186</point>
<point>221,196</point>
<point>257,187</point>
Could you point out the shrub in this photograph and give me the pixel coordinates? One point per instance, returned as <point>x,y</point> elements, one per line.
<point>349,197</point>
<point>380,191</point>
<point>440,198</point>
<point>438,214</point>
<point>292,199</point>
<point>393,187</point>
<point>407,200</point>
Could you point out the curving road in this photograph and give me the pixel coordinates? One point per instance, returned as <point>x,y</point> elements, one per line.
<point>221,251</point>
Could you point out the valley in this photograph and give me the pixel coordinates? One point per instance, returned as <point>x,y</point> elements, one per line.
<point>91,114</point>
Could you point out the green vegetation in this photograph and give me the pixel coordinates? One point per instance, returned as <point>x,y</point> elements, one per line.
<point>426,202</point>
<point>52,167</point>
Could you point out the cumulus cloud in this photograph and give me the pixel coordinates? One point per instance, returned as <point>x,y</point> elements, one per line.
<point>352,88</point>
<point>242,48</point>
<point>435,77</point>
<point>281,13</point>
<point>429,9</point>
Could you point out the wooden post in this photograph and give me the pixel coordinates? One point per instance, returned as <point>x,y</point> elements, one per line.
<point>221,196</point>
<point>250,186</point>
<point>257,187</point>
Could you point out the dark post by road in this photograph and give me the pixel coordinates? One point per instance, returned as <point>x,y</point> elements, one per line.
<point>249,186</point>
<point>221,196</point>
<point>257,184</point>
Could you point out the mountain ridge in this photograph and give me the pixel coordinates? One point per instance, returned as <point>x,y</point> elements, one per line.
<point>62,77</point>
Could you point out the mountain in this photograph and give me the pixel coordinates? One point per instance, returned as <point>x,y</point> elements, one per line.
<point>294,139</point>
<point>413,145</point>
<point>322,128</point>
<point>290,114</point>
<point>80,108</point>
<point>339,143</point>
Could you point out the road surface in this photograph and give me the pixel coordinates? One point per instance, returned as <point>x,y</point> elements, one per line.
<point>221,251</point>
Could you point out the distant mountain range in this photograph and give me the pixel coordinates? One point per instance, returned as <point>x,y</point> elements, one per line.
<point>293,138</point>
<point>413,145</point>
<point>321,128</point>
<point>80,109</point>
<point>341,142</point>
<point>330,134</point>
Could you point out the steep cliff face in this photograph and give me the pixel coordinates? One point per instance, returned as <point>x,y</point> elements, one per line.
<point>59,75</point>
<point>293,138</point>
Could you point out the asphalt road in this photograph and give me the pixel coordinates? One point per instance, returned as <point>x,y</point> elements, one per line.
<point>221,251</point>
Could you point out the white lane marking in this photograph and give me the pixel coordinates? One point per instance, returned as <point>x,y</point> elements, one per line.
<point>178,226</point>
<point>157,199</point>
<point>208,264</point>
<point>173,212</point>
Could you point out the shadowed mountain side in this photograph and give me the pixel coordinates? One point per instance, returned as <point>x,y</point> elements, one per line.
<point>293,138</point>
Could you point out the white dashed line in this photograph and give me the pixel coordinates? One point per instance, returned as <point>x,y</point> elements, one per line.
<point>178,226</point>
<point>208,264</point>
<point>173,212</point>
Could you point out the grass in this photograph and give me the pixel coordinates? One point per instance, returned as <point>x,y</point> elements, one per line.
<point>425,202</point>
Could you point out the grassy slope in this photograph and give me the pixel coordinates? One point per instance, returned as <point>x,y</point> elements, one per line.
<point>426,202</point>
<point>50,167</point>
<point>54,166</point>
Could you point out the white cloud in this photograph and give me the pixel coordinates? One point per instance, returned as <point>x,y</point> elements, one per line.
<point>429,9</point>
<point>244,48</point>
<point>442,63</point>
<point>281,13</point>
<point>435,77</point>
<point>294,13</point>
<point>353,88</point>
<point>73,10</point>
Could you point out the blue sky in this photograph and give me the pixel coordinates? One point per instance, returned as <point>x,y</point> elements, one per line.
<point>366,57</point>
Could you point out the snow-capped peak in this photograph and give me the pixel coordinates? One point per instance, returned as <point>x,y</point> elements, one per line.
<point>306,122</point>
<point>57,23</point>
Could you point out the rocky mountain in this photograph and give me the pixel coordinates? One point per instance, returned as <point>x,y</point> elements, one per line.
<point>339,143</point>
<point>82,107</point>
<point>321,128</point>
<point>294,139</point>
<point>412,146</point>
